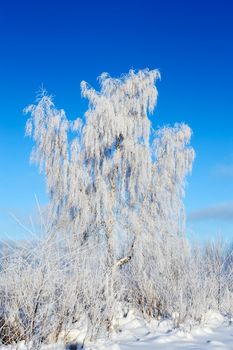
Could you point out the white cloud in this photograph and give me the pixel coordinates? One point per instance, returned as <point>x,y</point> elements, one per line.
<point>220,211</point>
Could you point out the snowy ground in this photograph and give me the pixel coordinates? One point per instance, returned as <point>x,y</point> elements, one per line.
<point>134,333</point>
<point>216,334</point>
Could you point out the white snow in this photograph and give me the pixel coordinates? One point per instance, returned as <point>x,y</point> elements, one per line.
<point>134,333</point>
<point>217,333</point>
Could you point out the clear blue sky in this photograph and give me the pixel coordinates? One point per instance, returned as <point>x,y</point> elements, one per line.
<point>60,43</point>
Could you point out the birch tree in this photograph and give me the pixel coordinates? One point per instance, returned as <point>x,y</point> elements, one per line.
<point>110,178</point>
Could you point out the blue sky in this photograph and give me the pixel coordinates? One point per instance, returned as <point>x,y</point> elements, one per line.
<point>60,43</point>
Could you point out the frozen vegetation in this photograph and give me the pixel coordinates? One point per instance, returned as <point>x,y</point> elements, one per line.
<point>111,267</point>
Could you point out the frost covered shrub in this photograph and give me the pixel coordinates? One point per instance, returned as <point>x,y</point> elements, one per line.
<point>48,290</point>
<point>182,282</point>
<point>53,288</point>
<point>34,299</point>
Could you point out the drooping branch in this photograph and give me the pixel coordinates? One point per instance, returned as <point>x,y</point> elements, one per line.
<point>107,170</point>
